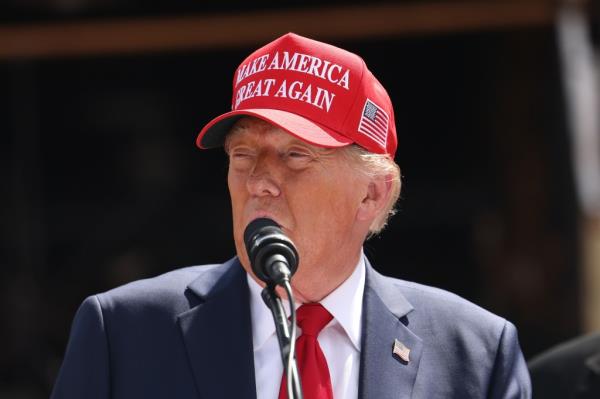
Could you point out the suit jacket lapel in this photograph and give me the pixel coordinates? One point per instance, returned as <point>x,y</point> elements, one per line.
<point>383,374</point>
<point>217,334</point>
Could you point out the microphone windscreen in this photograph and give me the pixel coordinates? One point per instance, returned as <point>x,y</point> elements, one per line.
<point>268,247</point>
<point>256,226</point>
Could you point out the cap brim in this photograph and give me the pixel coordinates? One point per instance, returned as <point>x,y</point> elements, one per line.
<point>213,134</point>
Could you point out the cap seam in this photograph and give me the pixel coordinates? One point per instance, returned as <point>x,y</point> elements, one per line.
<point>362,75</point>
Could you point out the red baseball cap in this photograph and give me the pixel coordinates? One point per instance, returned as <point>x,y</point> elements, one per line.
<point>317,92</point>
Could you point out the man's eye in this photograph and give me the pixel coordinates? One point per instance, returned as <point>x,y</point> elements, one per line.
<point>240,154</point>
<point>297,154</point>
<point>298,159</point>
<point>240,159</point>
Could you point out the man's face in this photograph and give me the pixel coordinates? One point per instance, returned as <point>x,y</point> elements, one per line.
<point>313,193</point>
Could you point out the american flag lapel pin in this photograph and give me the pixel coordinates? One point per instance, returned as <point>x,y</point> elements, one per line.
<point>401,351</point>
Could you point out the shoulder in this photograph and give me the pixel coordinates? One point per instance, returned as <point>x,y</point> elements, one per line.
<point>571,353</point>
<point>444,306</point>
<point>448,324</point>
<point>167,292</point>
<point>461,339</point>
<point>558,370</point>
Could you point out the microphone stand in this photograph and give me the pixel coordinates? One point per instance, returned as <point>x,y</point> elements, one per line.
<point>274,303</point>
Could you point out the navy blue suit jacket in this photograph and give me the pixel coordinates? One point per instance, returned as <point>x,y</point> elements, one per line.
<point>187,334</point>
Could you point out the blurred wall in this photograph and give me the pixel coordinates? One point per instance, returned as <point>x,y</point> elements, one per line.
<point>104,184</point>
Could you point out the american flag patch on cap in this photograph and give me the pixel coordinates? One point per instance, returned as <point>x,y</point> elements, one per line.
<point>374,123</point>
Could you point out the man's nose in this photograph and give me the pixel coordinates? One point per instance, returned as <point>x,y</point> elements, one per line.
<point>263,179</point>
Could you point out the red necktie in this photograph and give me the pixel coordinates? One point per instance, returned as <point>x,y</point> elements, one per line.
<point>312,365</point>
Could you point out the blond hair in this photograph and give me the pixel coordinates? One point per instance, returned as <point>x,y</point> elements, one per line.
<point>377,165</point>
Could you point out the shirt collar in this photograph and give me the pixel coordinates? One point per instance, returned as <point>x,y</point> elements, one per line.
<point>344,303</point>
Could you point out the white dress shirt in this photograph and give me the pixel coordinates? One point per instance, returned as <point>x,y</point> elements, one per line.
<point>340,340</point>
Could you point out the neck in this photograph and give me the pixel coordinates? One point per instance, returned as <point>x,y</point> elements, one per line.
<point>315,287</point>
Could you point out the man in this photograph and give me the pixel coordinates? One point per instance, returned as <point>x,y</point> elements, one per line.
<point>310,140</point>
<point>569,370</point>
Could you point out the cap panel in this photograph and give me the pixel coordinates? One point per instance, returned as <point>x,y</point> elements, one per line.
<point>310,78</point>
<point>371,119</point>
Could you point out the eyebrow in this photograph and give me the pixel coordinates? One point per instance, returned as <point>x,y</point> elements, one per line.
<point>229,137</point>
<point>235,133</point>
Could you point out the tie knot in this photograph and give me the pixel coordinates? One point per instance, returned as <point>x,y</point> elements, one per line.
<point>312,317</point>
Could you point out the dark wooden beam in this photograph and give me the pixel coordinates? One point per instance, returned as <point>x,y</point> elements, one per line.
<point>229,30</point>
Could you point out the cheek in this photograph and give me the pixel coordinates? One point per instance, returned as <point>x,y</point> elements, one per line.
<point>236,185</point>
<point>237,196</point>
<point>327,208</point>
<point>324,222</point>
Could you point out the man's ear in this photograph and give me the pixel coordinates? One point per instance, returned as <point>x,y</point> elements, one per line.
<point>376,197</point>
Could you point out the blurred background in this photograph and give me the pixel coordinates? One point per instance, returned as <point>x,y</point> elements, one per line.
<point>100,102</point>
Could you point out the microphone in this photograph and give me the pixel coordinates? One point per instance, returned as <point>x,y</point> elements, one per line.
<point>274,259</point>
<point>273,256</point>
